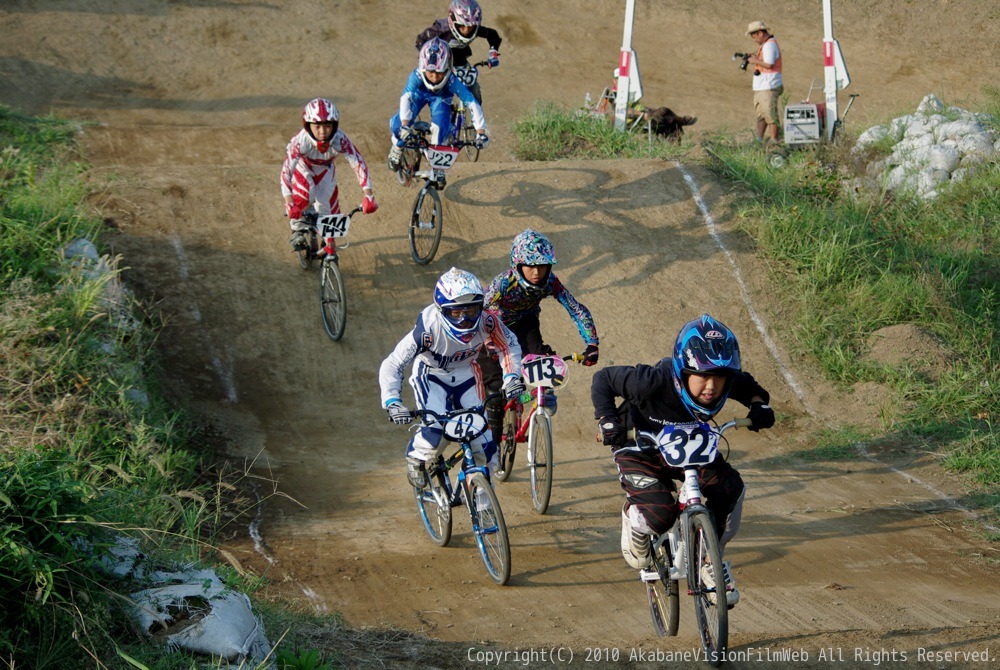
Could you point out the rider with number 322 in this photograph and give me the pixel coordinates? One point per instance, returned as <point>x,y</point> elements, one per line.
<point>463,25</point>
<point>443,346</point>
<point>515,295</point>
<point>690,385</point>
<point>431,85</point>
<point>308,174</point>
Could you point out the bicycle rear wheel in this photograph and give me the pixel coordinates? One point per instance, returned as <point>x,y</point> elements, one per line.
<point>468,134</point>
<point>540,461</point>
<point>425,225</point>
<point>711,611</point>
<point>490,529</point>
<point>664,596</point>
<point>435,510</point>
<point>409,163</point>
<point>508,446</point>
<point>333,299</point>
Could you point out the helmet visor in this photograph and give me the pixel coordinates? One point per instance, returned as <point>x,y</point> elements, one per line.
<point>464,316</point>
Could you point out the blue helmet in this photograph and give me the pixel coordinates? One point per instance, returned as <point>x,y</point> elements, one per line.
<point>705,346</point>
<point>531,248</point>
<point>459,297</point>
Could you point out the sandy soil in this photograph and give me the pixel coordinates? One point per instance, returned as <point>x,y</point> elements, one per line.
<point>188,105</point>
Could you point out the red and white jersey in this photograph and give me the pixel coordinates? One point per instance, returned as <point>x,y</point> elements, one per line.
<point>302,154</point>
<point>434,352</point>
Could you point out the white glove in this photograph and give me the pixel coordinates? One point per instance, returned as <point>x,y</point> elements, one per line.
<point>513,387</point>
<point>404,132</point>
<point>399,414</point>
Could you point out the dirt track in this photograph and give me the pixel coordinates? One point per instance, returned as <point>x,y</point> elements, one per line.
<point>195,101</point>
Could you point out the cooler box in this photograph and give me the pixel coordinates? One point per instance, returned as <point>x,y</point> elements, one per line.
<point>803,123</point>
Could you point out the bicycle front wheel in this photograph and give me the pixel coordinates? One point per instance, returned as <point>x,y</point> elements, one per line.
<point>710,608</point>
<point>425,225</point>
<point>664,596</point>
<point>508,446</point>
<point>468,134</point>
<point>333,300</point>
<point>540,461</point>
<point>490,528</point>
<point>435,510</point>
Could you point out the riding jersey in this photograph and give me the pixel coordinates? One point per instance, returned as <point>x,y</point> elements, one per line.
<point>415,96</point>
<point>506,295</point>
<point>460,51</point>
<point>434,352</point>
<point>304,158</point>
<point>650,396</point>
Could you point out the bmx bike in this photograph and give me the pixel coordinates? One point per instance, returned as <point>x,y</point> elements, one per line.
<point>327,229</point>
<point>425,222</point>
<point>471,487</point>
<point>461,121</point>
<point>690,549</point>
<point>531,421</point>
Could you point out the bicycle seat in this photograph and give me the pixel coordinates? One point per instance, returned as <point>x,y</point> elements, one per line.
<point>421,127</point>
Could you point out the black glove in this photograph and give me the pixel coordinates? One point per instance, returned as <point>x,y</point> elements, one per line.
<point>590,355</point>
<point>612,432</point>
<point>761,415</point>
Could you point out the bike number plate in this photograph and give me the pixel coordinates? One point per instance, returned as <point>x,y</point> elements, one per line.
<point>546,371</point>
<point>464,426</point>
<point>467,74</point>
<point>333,225</point>
<point>441,157</point>
<point>683,444</point>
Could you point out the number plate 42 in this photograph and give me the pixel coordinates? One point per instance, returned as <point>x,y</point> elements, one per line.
<point>688,444</point>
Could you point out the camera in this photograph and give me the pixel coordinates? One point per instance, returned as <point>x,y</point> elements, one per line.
<point>745,58</point>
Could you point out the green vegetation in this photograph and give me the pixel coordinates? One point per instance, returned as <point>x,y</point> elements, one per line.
<point>551,133</point>
<point>88,448</point>
<point>847,265</point>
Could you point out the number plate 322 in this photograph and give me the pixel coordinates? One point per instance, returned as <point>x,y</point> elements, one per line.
<point>683,444</point>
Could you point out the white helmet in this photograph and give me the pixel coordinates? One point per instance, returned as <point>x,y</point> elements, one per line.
<point>464,13</point>
<point>320,110</point>
<point>459,297</point>
<point>435,56</point>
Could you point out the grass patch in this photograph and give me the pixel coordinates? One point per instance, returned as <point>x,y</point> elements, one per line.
<point>551,133</point>
<point>848,265</point>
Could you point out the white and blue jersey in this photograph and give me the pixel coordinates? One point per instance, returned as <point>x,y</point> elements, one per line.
<point>445,374</point>
<point>416,96</point>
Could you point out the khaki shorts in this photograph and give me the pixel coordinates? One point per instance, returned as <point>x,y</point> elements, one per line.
<point>765,105</point>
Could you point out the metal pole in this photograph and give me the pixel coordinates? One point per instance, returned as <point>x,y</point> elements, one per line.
<point>624,67</point>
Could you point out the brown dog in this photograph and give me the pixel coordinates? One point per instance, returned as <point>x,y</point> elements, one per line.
<point>667,124</point>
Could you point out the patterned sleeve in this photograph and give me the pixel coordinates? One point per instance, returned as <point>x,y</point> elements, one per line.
<point>577,310</point>
<point>356,160</point>
<point>507,346</point>
<point>292,154</point>
<point>390,373</point>
<point>495,291</point>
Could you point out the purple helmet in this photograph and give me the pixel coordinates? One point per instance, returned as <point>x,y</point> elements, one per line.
<point>435,56</point>
<point>531,248</point>
<point>464,13</point>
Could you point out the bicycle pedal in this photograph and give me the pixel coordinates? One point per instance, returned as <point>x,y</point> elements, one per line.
<point>649,575</point>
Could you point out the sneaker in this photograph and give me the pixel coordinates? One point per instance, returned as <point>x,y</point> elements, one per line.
<point>395,154</point>
<point>416,473</point>
<point>635,545</point>
<point>299,240</point>
<point>549,401</point>
<point>708,579</point>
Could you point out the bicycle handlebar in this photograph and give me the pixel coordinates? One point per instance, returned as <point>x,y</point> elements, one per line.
<point>742,422</point>
<point>422,411</point>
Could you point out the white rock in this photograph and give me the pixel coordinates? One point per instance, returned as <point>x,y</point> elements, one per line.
<point>944,158</point>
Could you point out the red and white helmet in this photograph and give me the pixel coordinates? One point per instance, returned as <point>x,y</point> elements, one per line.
<point>320,110</point>
<point>464,13</point>
<point>435,56</point>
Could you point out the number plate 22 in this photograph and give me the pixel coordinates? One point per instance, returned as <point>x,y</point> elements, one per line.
<point>683,444</point>
<point>441,157</point>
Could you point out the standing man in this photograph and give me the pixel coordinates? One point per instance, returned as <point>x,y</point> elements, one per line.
<point>767,83</point>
